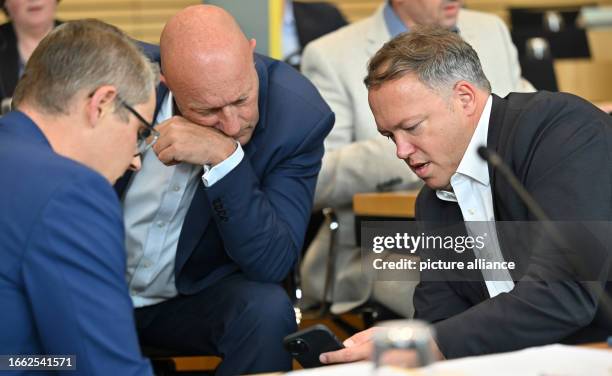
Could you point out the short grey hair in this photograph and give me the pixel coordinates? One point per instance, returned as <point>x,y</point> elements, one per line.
<point>85,55</point>
<point>438,57</point>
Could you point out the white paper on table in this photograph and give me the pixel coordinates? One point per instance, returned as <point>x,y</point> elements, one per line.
<point>551,360</point>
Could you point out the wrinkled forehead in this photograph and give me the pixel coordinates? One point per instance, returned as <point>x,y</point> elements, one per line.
<point>401,100</point>
<point>215,85</point>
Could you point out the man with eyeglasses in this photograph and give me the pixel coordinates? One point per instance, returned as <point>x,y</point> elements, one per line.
<point>147,134</point>
<point>79,123</point>
<point>216,218</point>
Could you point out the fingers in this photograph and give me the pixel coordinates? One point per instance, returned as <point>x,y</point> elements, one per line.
<point>169,132</point>
<point>176,134</point>
<point>349,354</point>
<point>168,156</point>
<point>183,141</point>
<point>358,347</point>
<point>361,337</point>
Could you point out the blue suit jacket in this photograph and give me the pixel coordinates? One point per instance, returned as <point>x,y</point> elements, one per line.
<point>62,275</point>
<point>254,219</point>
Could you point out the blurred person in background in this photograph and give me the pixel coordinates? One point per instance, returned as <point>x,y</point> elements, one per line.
<point>30,21</point>
<point>304,22</point>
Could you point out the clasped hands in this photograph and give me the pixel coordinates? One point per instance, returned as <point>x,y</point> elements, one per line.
<point>181,140</point>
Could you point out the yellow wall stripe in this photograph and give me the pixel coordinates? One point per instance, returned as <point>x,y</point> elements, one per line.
<point>275,28</point>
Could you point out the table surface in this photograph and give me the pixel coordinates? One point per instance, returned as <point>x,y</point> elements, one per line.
<point>197,362</point>
<point>385,204</point>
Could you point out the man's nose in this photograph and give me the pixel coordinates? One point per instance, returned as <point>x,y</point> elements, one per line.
<point>230,122</point>
<point>404,149</point>
<point>136,163</point>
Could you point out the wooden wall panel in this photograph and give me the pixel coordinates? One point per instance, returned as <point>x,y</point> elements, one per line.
<point>586,78</point>
<point>600,40</point>
<point>142,19</point>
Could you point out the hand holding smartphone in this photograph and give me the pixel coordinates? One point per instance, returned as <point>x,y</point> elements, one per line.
<point>306,345</point>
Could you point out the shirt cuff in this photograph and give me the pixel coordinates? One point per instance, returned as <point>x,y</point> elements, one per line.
<point>214,174</point>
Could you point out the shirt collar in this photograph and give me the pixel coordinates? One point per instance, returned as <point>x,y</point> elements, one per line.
<point>471,164</point>
<point>392,20</point>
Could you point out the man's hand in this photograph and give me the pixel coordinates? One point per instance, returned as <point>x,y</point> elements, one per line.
<point>358,347</point>
<point>183,141</point>
<point>361,347</point>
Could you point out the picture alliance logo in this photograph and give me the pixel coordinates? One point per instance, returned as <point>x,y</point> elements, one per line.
<point>411,243</point>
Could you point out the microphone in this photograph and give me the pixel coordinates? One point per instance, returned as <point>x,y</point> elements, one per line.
<point>496,161</point>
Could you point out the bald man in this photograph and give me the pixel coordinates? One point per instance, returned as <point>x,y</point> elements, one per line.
<point>216,217</point>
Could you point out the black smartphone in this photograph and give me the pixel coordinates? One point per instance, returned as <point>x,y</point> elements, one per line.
<point>306,345</point>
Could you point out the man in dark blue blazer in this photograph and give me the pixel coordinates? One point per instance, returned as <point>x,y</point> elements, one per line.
<point>76,129</point>
<point>216,217</point>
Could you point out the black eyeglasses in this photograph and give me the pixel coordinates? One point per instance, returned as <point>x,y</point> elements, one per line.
<point>148,131</point>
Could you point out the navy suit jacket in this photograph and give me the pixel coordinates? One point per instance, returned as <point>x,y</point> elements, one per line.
<point>254,219</point>
<point>560,148</point>
<point>62,275</point>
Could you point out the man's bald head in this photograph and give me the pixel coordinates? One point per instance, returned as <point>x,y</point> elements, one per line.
<point>208,65</point>
<point>202,41</point>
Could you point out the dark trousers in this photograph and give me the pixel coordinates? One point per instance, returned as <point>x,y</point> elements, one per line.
<point>240,320</point>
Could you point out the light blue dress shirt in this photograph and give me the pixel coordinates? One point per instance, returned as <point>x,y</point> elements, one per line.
<point>291,42</point>
<point>393,22</point>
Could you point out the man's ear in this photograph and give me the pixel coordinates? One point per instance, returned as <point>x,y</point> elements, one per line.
<point>100,103</point>
<point>465,93</point>
<point>252,44</point>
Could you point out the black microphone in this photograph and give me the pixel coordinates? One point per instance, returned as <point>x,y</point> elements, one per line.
<point>498,163</point>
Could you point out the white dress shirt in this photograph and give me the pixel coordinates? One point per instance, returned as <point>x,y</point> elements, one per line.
<point>472,191</point>
<point>155,206</point>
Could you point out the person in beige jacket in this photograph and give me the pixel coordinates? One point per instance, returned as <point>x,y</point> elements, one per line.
<point>357,159</point>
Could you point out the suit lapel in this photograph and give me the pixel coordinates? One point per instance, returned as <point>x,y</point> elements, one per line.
<point>378,34</point>
<point>160,94</point>
<point>194,226</point>
<point>122,184</point>
<point>498,109</point>
<point>501,192</point>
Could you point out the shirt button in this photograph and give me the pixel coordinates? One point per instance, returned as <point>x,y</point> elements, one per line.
<point>161,224</point>
<point>146,264</point>
<point>471,211</point>
<point>176,188</point>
